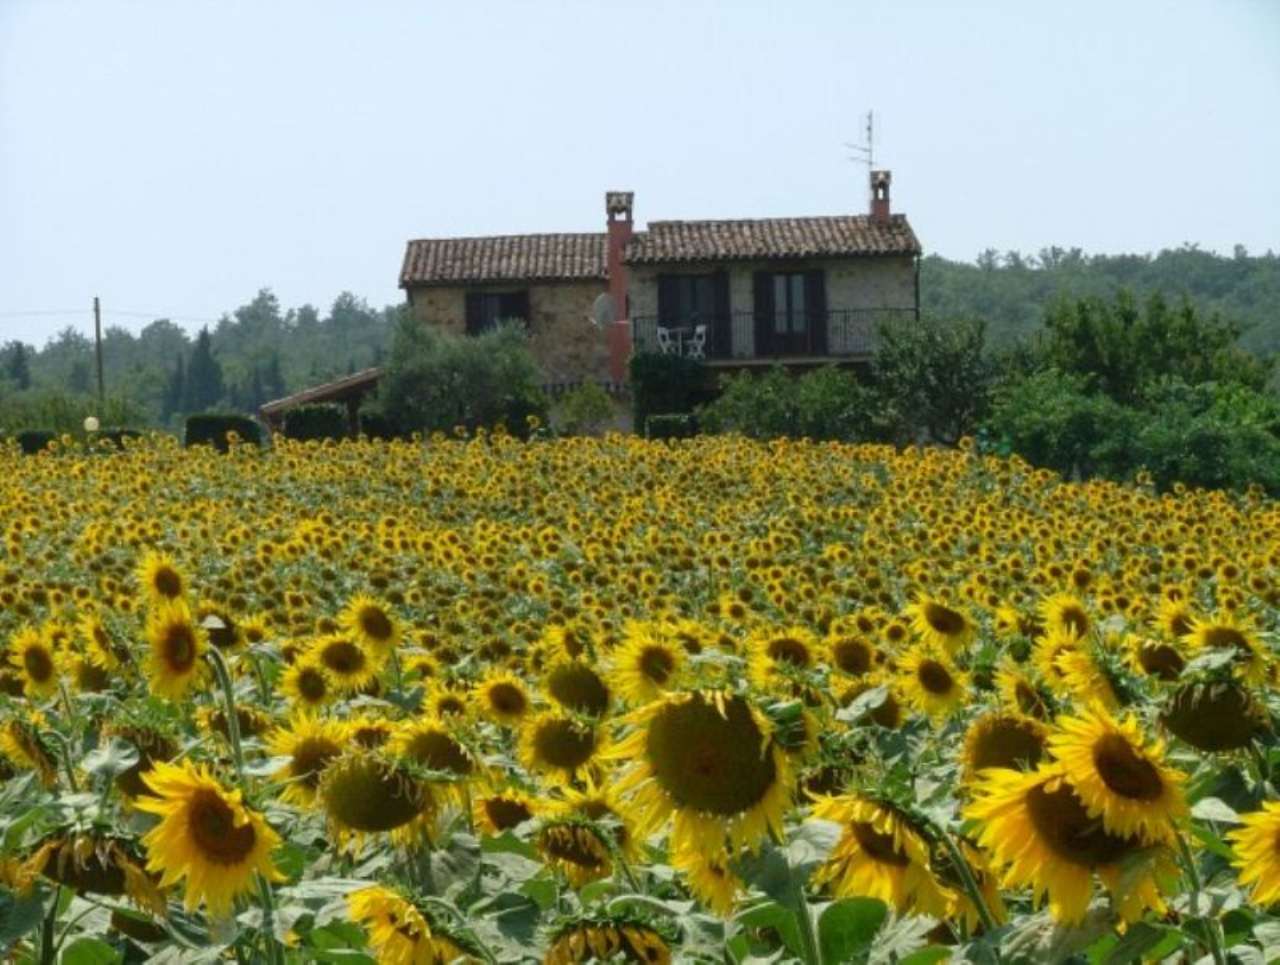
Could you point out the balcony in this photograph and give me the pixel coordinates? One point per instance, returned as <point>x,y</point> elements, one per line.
<point>747,337</point>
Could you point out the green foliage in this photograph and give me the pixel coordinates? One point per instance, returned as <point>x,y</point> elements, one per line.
<point>932,378</point>
<point>663,384</point>
<point>376,424</point>
<point>315,422</point>
<point>827,403</point>
<point>33,441</point>
<point>437,381</point>
<point>203,387</point>
<point>672,425</point>
<point>61,412</point>
<point>211,428</point>
<point>585,410</point>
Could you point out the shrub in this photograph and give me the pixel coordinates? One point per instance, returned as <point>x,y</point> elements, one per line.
<point>211,428</point>
<point>663,384</point>
<point>375,423</point>
<point>671,425</point>
<point>116,437</point>
<point>828,403</point>
<point>32,441</point>
<point>585,410</point>
<point>315,422</point>
<point>437,381</point>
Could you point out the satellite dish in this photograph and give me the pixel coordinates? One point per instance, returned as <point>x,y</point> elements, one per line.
<point>603,310</point>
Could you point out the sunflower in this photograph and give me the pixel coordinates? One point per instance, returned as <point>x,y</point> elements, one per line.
<point>1175,617</point>
<point>363,792</point>
<point>1003,740</point>
<point>402,933</point>
<point>1155,658</point>
<point>931,683</point>
<point>940,624</point>
<point>22,744</point>
<point>369,732</point>
<point>503,810</point>
<point>1065,614</point>
<point>558,745</point>
<point>1257,853</point>
<point>502,696</point>
<point>1118,776</point>
<point>601,803</point>
<point>308,686</point>
<point>1040,835</point>
<point>371,624</point>
<point>608,940</point>
<point>709,879</point>
<point>573,847</point>
<point>775,654</point>
<point>310,745</point>
<point>37,662</point>
<point>1214,716</point>
<point>1225,632</point>
<point>888,713</point>
<point>98,863</point>
<point>708,759</point>
<point>852,654</point>
<point>160,577</point>
<point>350,665</point>
<point>645,666</point>
<point>431,744</point>
<point>880,854</point>
<point>1019,693</point>
<point>206,836</point>
<point>101,649</point>
<point>1085,677</point>
<point>575,686</point>
<point>176,644</point>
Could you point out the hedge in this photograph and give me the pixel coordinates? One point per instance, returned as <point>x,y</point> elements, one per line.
<point>315,422</point>
<point>211,428</point>
<point>33,441</point>
<point>671,425</point>
<point>665,384</point>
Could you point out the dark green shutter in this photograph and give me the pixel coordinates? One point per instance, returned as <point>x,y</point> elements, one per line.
<point>475,309</point>
<point>668,300</point>
<point>721,334</point>
<point>815,303</point>
<point>763,289</point>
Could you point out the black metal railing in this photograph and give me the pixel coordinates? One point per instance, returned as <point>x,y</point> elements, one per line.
<point>835,333</point>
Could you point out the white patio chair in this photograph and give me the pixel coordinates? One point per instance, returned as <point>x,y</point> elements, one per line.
<point>696,347</point>
<point>666,344</point>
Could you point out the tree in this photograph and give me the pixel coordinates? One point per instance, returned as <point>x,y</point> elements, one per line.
<point>204,387</point>
<point>18,365</point>
<point>175,393</point>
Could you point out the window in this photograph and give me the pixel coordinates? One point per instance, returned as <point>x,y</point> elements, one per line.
<point>789,316</point>
<point>687,298</point>
<point>486,309</point>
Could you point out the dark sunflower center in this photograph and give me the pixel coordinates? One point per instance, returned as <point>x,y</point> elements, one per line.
<point>370,736</point>
<point>343,657</point>
<point>577,686</point>
<point>562,744</point>
<point>506,698</point>
<point>311,685</point>
<point>367,795</point>
<point>657,664</point>
<point>440,752</point>
<point>852,656</point>
<point>167,583</point>
<point>1075,620</point>
<point>943,619</point>
<point>707,762</point>
<point>38,664</point>
<point>879,847</point>
<point>789,650</point>
<point>1007,743</point>
<point>1067,830</point>
<point>1161,660</point>
<point>1224,637</point>
<point>506,813</point>
<point>1180,624</point>
<point>212,824</point>
<point>1030,702</point>
<point>450,705</point>
<point>574,845</point>
<point>375,624</point>
<point>934,678</point>
<point>179,648</point>
<point>1125,771</point>
<point>310,758</point>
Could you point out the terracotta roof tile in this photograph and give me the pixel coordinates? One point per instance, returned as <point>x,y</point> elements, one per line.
<point>447,261</point>
<point>834,236</point>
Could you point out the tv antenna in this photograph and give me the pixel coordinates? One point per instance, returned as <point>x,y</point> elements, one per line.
<point>865,150</point>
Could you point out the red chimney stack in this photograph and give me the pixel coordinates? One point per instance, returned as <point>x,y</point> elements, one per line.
<point>880,197</point>
<point>617,209</point>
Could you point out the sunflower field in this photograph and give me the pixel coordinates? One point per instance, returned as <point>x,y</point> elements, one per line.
<point>619,700</point>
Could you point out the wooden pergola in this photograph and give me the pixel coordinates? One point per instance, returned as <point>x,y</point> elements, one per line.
<point>349,390</point>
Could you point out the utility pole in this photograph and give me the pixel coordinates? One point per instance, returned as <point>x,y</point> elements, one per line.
<point>97,338</point>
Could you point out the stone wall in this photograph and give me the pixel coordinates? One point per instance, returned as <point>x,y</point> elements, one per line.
<point>567,347</point>
<point>866,282</point>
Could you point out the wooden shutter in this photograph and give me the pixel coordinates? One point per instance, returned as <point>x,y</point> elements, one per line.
<point>721,334</point>
<point>517,306</point>
<point>475,313</point>
<point>815,304</point>
<point>763,285</point>
<point>668,299</point>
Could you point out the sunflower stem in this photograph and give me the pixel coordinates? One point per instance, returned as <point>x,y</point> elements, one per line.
<point>485,952</point>
<point>49,951</point>
<point>267,899</point>
<point>808,935</point>
<point>66,702</point>
<point>67,763</point>
<point>1212,926</point>
<point>967,879</point>
<point>220,671</point>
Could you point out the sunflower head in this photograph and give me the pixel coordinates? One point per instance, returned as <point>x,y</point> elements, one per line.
<point>646,665</point>
<point>350,665</point>
<point>940,624</point>
<point>371,624</point>
<point>575,686</point>
<point>575,848</point>
<point>1003,740</point>
<point>503,697</point>
<point>175,645</point>
<point>558,745</point>
<point>502,811</point>
<point>1214,715</point>
<point>365,793</point>
<point>310,745</point>
<point>161,580</point>
<point>932,683</point>
<point>1065,614</point>
<point>308,686</point>
<point>33,655</point>
<point>608,939</point>
<point>402,930</point>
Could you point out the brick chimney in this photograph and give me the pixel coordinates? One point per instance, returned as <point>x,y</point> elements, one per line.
<point>617,210</point>
<point>880,196</point>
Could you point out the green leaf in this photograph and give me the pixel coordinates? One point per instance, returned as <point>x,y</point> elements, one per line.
<point>113,759</point>
<point>19,915</point>
<point>1214,809</point>
<point>900,937</point>
<point>1137,942</point>
<point>90,951</point>
<point>847,928</point>
<point>928,956</point>
<point>775,917</point>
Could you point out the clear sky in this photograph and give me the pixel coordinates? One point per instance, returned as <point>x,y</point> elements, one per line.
<point>175,156</point>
